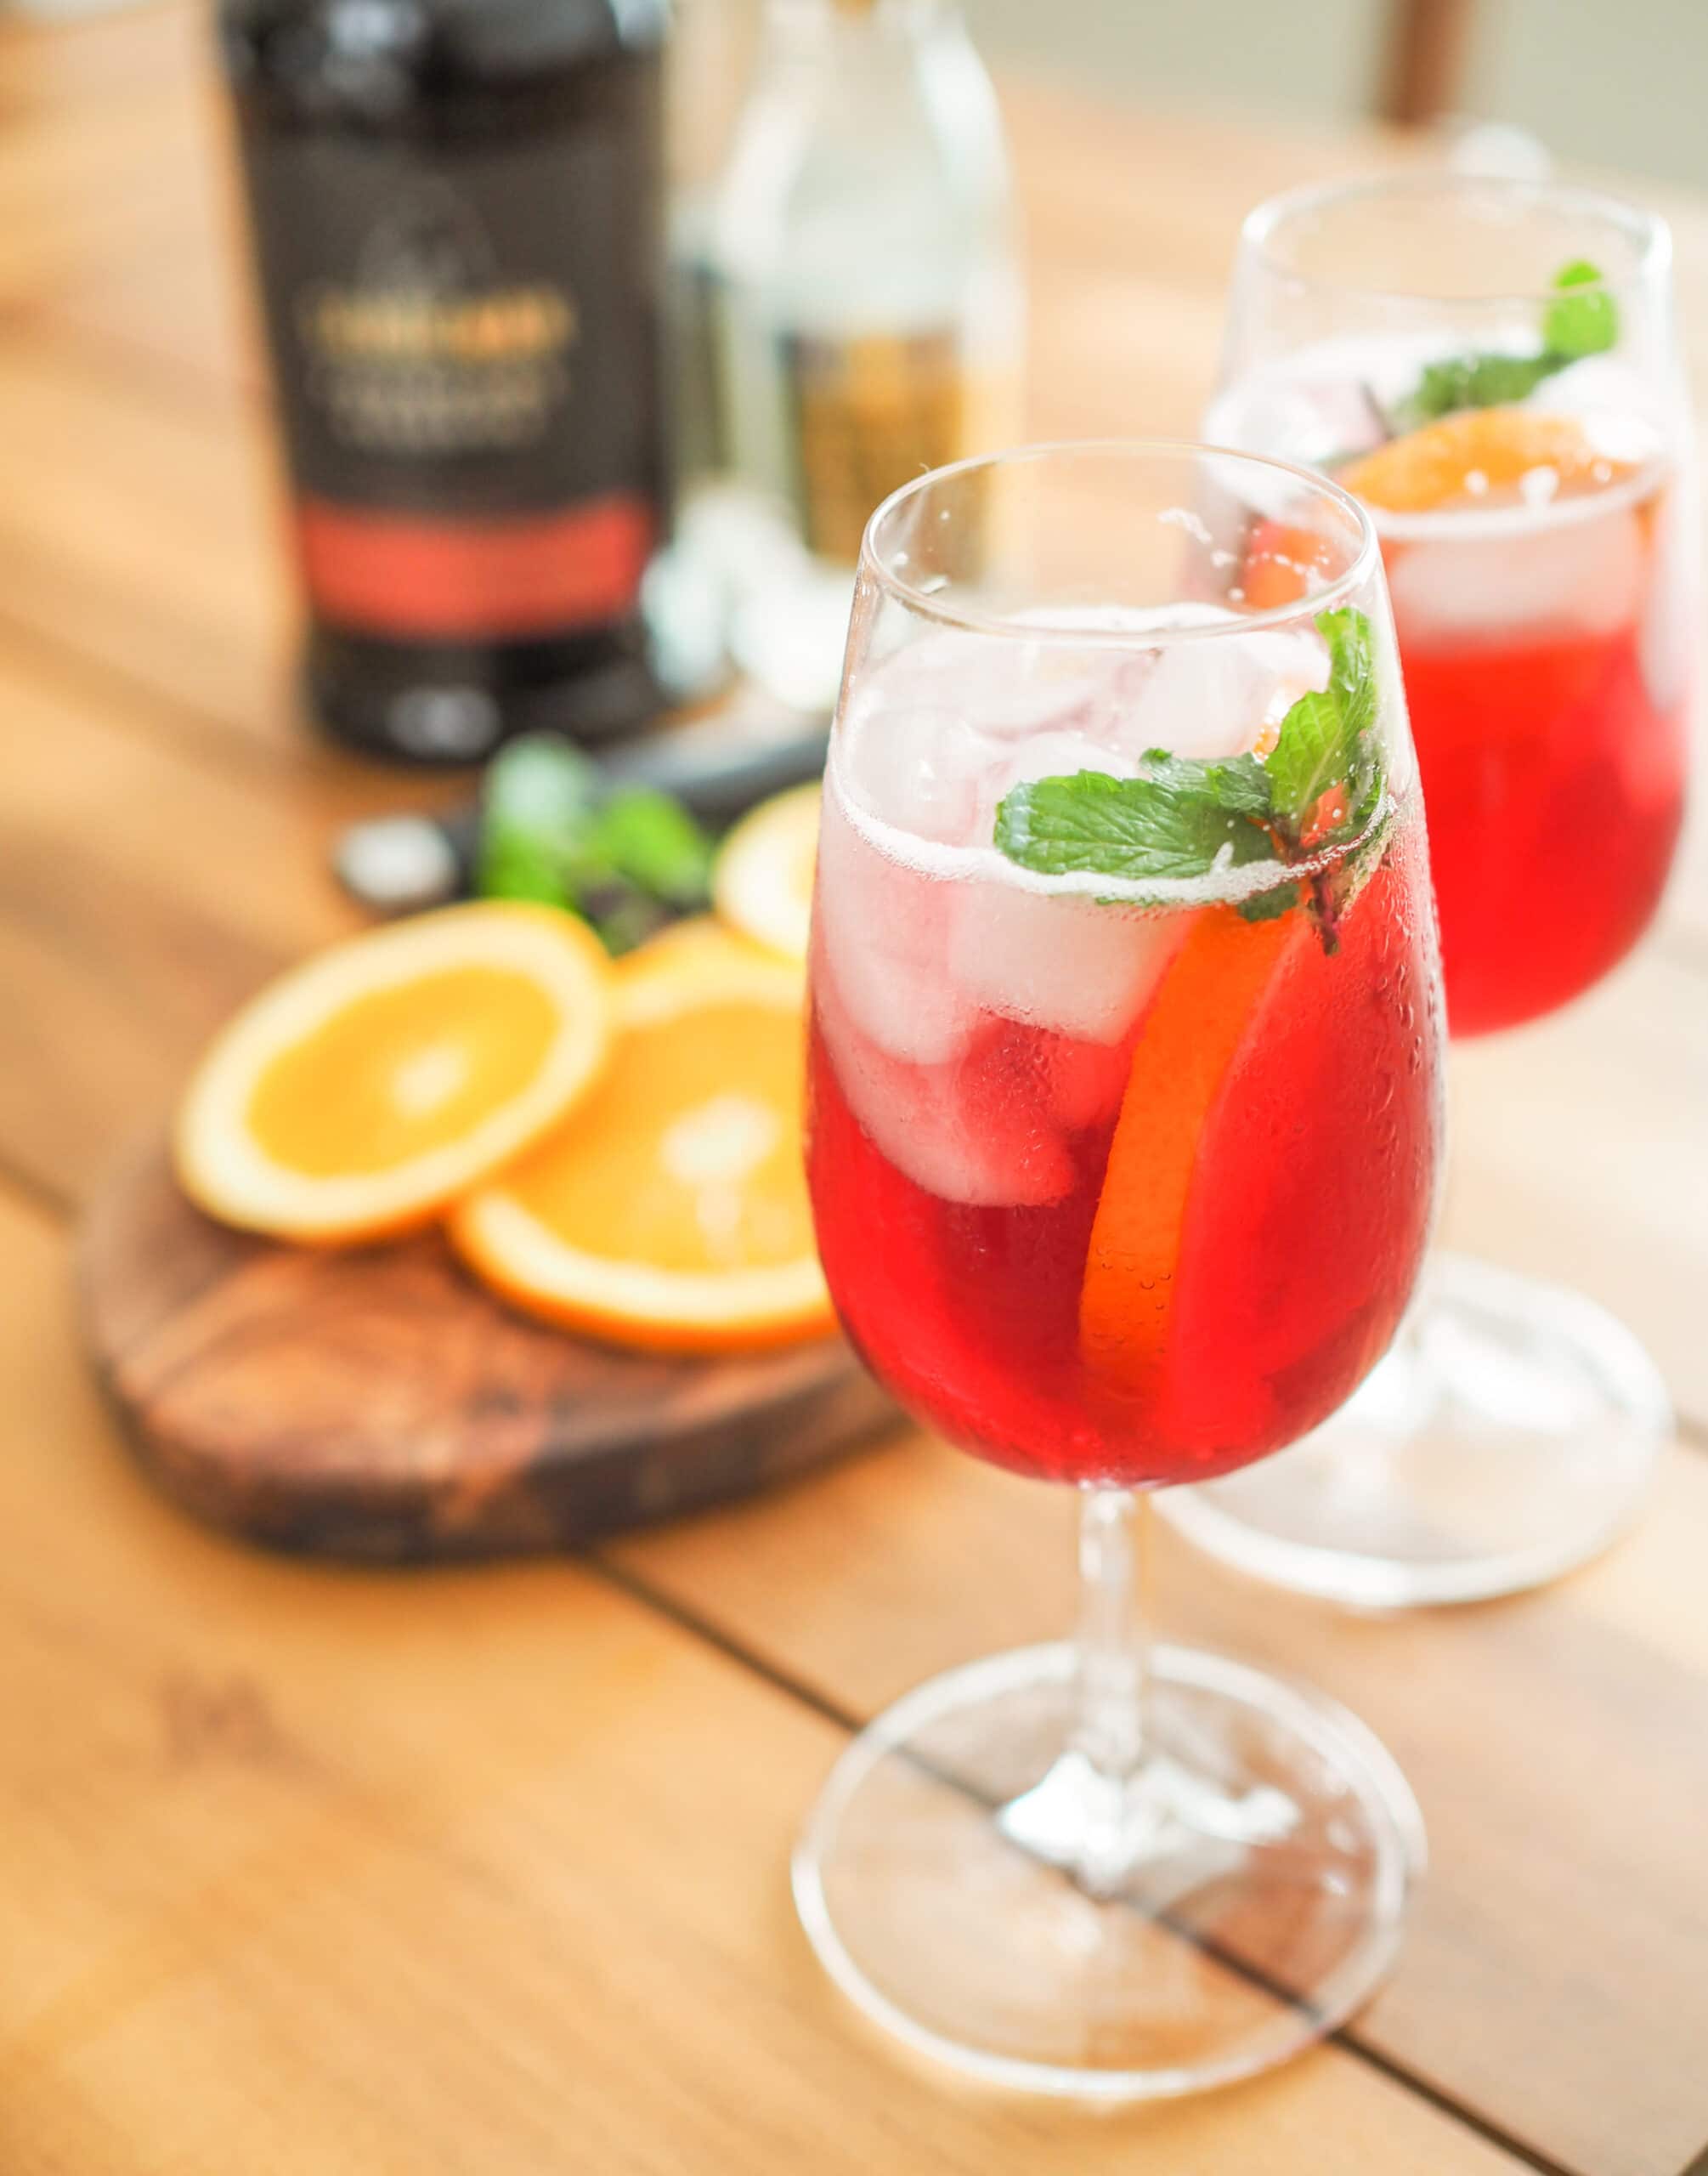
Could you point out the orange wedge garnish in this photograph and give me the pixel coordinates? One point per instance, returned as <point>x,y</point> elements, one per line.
<point>1479,456</point>
<point>1197,1022</point>
<point>363,1091</point>
<point>670,1209</point>
<point>1284,564</point>
<point>762,882</point>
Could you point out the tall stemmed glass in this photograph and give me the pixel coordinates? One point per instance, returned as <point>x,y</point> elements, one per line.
<point>1492,367</point>
<point>1123,1082</point>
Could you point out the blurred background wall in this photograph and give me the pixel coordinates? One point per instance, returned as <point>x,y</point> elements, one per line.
<point>1603,83</point>
<point>1614,83</point>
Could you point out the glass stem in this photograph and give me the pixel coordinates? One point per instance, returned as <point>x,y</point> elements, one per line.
<point>1114,1644</point>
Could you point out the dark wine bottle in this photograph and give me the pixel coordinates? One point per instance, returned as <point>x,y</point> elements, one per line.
<point>457,207</point>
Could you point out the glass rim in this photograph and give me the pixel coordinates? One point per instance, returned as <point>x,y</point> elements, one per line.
<point>1650,235</point>
<point>928,605</point>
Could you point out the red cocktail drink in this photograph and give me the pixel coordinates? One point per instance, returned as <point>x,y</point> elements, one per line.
<point>1116,1189</point>
<point>1552,751</point>
<point>1152,1258</point>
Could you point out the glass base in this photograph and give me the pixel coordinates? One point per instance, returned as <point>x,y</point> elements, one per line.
<point>1511,1435</point>
<point>1243,1895</point>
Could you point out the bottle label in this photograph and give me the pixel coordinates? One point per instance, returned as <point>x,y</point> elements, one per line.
<point>869,412</point>
<point>465,345</point>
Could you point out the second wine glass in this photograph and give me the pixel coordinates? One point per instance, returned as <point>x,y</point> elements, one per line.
<point>1492,367</point>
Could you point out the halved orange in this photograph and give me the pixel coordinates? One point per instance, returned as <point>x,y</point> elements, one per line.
<point>763,881</point>
<point>670,1209</point>
<point>1197,1022</point>
<point>1482,455</point>
<point>703,940</point>
<point>363,1091</point>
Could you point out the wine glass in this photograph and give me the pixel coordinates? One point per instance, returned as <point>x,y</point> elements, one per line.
<point>1492,367</point>
<point>1122,1137</point>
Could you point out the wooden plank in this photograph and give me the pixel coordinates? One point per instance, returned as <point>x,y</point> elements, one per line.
<point>100,124</point>
<point>90,64</point>
<point>308,1870</point>
<point>168,293</point>
<point>139,525</point>
<point>1552,1974</point>
<point>142,894</point>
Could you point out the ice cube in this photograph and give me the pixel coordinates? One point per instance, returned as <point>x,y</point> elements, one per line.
<point>1058,961</point>
<point>1580,571</point>
<point>884,930</point>
<point>1210,699</point>
<point>973,1129</point>
<point>1318,420</point>
<point>924,771</point>
<point>1003,685</point>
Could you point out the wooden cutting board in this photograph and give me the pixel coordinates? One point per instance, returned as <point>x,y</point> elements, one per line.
<point>378,1404</point>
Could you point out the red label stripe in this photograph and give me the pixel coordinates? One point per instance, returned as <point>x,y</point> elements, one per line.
<point>403,575</point>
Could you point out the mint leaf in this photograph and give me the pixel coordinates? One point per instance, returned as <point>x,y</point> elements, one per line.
<point>1269,906</point>
<point>651,839</point>
<point>1578,324</point>
<point>1238,784</point>
<point>1474,381</point>
<point>1575,326</point>
<point>1182,817</point>
<point>538,806</point>
<point>552,831</point>
<point>1173,823</point>
<point>1327,738</point>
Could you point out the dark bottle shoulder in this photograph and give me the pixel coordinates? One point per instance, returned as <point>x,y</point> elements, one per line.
<point>375,53</point>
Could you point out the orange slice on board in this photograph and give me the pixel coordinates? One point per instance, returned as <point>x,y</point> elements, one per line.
<point>1190,1039</point>
<point>1480,456</point>
<point>762,880</point>
<point>704,939</point>
<point>363,1091</point>
<point>670,1210</point>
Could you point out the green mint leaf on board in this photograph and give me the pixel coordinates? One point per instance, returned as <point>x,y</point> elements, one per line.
<point>1580,324</point>
<point>538,804</point>
<point>651,839</point>
<point>554,832</point>
<point>1582,320</point>
<point>1173,825</point>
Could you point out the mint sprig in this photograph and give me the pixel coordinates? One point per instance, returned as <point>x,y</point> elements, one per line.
<point>1184,818</point>
<point>1327,744</point>
<point>1177,821</point>
<point>555,831</point>
<point>1575,324</point>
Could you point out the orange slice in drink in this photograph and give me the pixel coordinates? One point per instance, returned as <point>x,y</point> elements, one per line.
<point>1283,564</point>
<point>1480,455</point>
<point>363,1091</point>
<point>1190,1037</point>
<point>763,881</point>
<point>670,1209</point>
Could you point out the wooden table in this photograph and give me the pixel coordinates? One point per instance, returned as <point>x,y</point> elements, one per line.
<point>485,1871</point>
